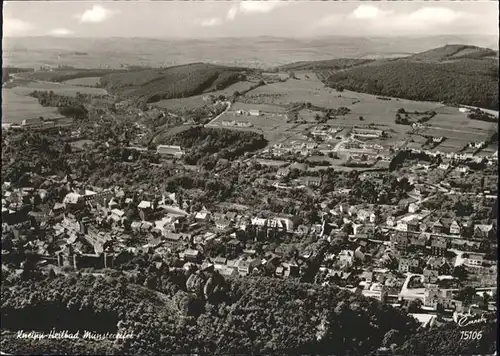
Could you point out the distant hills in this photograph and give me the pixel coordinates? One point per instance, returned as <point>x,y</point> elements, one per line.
<point>255,52</point>
<point>455,74</point>
<point>454,52</point>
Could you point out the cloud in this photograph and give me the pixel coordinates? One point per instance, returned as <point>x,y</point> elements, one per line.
<point>213,21</point>
<point>259,6</point>
<point>60,32</point>
<point>436,15</point>
<point>253,7</point>
<point>233,11</point>
<point>15,27</point>
<point>96,14</point>
<point>378,21</point>
<point>369,12</point>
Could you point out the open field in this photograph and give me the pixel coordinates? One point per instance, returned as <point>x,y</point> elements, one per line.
<point>309,115</point>
<point>461,134</point>
<point>449,117</point>
<point>275,98</point>
<point>448,146</point>
<point>294,91</point>
<point>191,103</point>
<point>59,88</point>
<point>88,82</point>
<point>17,106</point>
<point>265,108</point>
<point>239,87</point>
<point>197,101</point>
<point>488,151</point>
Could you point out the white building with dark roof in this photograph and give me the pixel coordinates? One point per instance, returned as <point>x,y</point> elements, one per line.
<point>167,150</point>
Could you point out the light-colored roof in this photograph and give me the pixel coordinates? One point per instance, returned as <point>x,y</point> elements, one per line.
<point>118,212</point>
<point>484,228</point>
<point>424,319</point>
<point>71,198</point>
<point>144,204</point>
<point>258,221</point>
<point>201,215</point>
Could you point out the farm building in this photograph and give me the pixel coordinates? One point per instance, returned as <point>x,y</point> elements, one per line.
<point>33,122</point>
<point>167,150</point>
<point>360,132</point>
<point>254,112</point>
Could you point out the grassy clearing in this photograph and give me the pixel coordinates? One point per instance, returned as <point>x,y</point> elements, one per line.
<point>239,87</point>
<point>449,146</point>
<point>459,134</point>
<point>61,89</point>
<point>265,122</point>
<point>17,106</point>
<point>88,82</point>
<point>190,103</point>
<point>265,108</point>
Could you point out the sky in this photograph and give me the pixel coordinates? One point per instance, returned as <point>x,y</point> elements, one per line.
<point>213,19</point>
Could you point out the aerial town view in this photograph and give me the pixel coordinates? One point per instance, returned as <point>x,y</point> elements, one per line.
<point>201,178</point>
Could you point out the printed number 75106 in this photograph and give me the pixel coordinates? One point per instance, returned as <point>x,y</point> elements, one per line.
<point>471,335</point>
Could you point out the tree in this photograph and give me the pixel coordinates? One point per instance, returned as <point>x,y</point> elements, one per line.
<point>460,273</point>
<point>414,306</point>
<point>67,148</point>
<point>466,294</point>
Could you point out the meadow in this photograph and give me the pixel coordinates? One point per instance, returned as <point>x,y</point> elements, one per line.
<point>239,87</point>
<point>191,103</point>
<point>86,82</point>
<point>17,106</point>
<point>59,88</point>
<point>265,108</point>
<point>461,134</point>
<point>196,101</point>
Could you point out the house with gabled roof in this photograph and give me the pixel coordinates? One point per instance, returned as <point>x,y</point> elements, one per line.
<point>419,240</point>
<point>413,208</point>
<point>430,276</point>
<point>437,227</point>
<point>439,264</point>
<point>409,265</point>
<point>484,231</point>
<point>439,245</point>
<point>455,228</point>
<point>400,240</point>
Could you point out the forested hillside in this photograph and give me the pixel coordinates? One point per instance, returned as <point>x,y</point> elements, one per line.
<point>175,82</point>
<point>467,81</point>
<point>452,52</point>
<point>257,315</point>
<point>339,63</point>
<point>7,71</point>
<point>208,314</point>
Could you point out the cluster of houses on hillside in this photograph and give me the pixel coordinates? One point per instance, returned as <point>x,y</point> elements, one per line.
<point>93,227</point>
